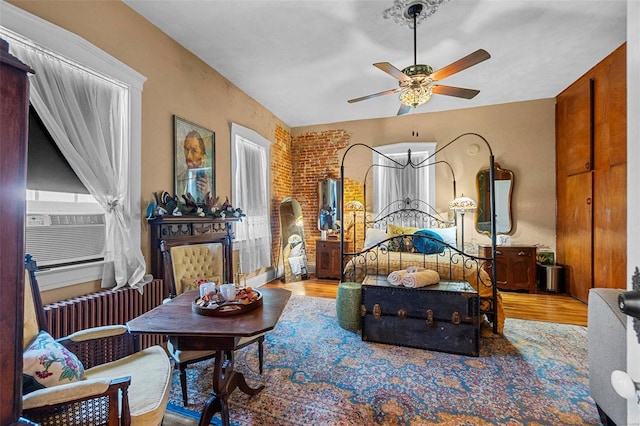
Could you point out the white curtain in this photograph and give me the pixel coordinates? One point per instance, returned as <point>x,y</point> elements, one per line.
<point>397,183</point>
<point>87,117</point>
<point>251,194</point>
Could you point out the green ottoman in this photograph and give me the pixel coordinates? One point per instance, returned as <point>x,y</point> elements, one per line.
<point>348,306</point>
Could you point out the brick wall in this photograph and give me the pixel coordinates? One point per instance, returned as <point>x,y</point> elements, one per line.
<point>281,184</point>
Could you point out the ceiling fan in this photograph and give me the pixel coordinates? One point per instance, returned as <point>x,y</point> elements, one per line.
<point>418,82</point>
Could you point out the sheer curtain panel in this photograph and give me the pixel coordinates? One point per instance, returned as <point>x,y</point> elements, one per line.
<point>251,194</point>
<point>87,116</point>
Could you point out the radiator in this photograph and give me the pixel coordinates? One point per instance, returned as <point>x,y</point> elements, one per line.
<point>110,307</point>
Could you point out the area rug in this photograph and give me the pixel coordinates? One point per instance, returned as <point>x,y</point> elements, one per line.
<point>319,374</point>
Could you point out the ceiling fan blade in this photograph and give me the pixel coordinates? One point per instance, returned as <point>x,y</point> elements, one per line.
<point>374,95</point>
<point>404,109</point>
<point>458,92</point>
<point>393,71</point>
<point>461,64</point>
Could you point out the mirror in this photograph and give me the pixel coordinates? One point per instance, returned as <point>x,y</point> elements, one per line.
<point>294,257</point>
<point>504,187</point>
<point>329,205</point>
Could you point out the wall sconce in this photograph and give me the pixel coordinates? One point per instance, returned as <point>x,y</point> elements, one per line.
<point>462,204</point>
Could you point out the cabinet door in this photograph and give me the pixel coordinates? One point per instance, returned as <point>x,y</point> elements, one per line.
<point>573,128</point>
<point>575,220</point>
<point>610,232</point>
<point>522,269</point>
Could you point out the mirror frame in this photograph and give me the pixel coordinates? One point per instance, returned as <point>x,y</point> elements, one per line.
<point>498,174</point>
<point>292,223</point>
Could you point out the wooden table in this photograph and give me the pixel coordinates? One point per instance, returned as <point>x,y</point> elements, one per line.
<point>192,331</point>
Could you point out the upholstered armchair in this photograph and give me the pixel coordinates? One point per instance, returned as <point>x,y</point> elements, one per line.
<point>184,265</point>
<point>607,337</point>
<point>92,377</point>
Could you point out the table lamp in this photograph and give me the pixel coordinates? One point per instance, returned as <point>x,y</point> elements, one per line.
<point>462,204</point>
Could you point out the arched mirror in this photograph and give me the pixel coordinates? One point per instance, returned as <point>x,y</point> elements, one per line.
<point>329,205</point>
<point>294,257</point>
<point>504,188</point>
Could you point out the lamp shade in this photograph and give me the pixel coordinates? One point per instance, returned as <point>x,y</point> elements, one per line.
<point>462,203</point>
<point>354,206</point>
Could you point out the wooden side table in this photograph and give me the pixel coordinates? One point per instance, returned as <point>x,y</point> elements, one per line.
<point>516,267</point>
<point>328,258</point>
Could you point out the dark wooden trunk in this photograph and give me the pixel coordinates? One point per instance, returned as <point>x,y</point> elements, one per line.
<point>442,317</point>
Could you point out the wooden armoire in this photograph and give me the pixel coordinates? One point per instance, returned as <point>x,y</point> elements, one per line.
<point>591,171</point>
<point>14,107</point>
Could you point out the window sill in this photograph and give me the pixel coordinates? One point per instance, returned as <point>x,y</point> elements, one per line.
<point>53,278</point>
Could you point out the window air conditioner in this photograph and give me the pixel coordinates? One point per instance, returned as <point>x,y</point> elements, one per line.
<point>56,239</point>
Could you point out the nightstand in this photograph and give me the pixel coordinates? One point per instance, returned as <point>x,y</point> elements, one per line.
<point>329,258</point>
<point>516,266</point>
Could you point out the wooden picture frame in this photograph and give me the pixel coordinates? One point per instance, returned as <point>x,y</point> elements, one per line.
<point>194,157</point>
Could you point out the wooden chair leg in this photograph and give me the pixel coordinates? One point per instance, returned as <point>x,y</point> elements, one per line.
<point>183,383</point>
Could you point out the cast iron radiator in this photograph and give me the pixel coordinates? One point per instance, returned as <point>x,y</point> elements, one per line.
<point>110,307</point>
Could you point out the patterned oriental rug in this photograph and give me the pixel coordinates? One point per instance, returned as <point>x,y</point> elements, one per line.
<point>319,374</point>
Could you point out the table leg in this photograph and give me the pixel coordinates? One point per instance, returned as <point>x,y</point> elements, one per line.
<point>225,380</point>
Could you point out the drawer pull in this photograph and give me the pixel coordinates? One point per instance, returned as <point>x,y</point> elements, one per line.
<point>455,318</point>
<point>402,313</point>
<point>377,311</point>
<point>522,253</point>
<point>498,252</point>
<point>430,318</point>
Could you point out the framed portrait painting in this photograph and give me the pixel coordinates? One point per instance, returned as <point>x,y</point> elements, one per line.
<point>194,157</point>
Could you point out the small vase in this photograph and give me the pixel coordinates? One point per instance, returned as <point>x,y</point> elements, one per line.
<point>323,235</point>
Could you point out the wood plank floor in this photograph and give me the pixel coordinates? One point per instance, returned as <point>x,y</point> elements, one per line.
<point>537,307</point>
<point>547,307</point>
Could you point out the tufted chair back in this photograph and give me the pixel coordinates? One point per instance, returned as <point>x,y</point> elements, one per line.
<point>194,262</point>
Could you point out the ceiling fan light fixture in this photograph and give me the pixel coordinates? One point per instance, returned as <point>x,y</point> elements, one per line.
<point>414,96</point>
<point>402,11</point>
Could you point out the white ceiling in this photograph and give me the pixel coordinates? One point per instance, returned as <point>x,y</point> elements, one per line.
<point>304,59</point>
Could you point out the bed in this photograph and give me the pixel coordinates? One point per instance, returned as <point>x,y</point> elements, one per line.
<point>410,233</point>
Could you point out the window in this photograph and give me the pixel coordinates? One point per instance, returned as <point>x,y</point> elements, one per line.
<point>396,180</point>
<point>250,189</point>
<point>21,28</point>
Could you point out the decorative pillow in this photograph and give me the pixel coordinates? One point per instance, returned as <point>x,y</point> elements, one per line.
<point>400,244</point>
<point>48,364</point>
<point>425,245</point>
<point>449,235</point>
<point>374,236</point>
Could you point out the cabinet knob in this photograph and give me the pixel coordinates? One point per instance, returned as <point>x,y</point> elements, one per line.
<point>587,165</point>
<point>498,252</point>
<point>589,201</point>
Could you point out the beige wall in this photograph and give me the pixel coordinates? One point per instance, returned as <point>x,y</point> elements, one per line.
<point>521,135</point>
<point>177,83</point>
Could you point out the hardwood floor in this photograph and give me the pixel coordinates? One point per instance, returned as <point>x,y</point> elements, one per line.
<point>547,307</point>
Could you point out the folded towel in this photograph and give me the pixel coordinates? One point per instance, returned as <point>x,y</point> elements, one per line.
<point>395,278</point>
<point>421,279</point>
<point>412,269</point>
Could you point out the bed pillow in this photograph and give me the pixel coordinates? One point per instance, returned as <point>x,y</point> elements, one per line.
<point>427,246</point>
<point>374,236</point>
<point>400,244</point>
<point>449,235</point>
<point>46,363</point>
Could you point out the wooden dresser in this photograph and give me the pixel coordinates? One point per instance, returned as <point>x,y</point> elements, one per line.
<point>328,258</point>
<point>516,266</point>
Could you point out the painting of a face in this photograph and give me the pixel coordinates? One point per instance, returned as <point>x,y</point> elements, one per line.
<point>194,159</point>
<point>194,151</point>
